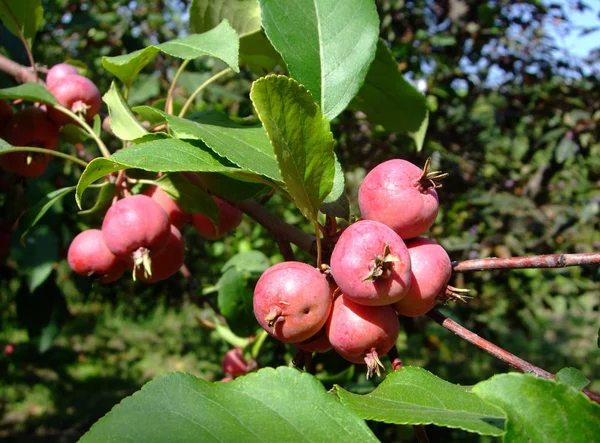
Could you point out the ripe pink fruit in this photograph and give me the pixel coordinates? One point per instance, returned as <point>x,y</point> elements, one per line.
<point>177,217</point>
<point>234,364</point>
<point>167,262</point>
<point>58,72</point>
<point>317,343</point>
<point>78,94</point>
<point>8,350</point>
<point>400,195</point>
<point>230,218</point>
<point>29,127</point>
<point>370,264</point>
<point>135,229</point>
<point>362,333</point>
<point>88,255</point>
<point>431,271</point>
<point>6,114</point>
<point>292,301</point>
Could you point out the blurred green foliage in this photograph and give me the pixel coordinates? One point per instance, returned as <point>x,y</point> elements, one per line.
<point>514,121</point>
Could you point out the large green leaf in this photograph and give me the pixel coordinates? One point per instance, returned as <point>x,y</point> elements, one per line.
<point>415,396</point>
<point>168,155</point>
<point>246,146</point>
<point>327,45</point>
<point>257,52</point>
<point>242,15</point>
<point>301,138</point>
<point>33,214</point>
<point>31,92</point>
<point>23,15</point>
<point>542,410</point>
<point>388,99</point>
<point>122,121</point>
<point>221,42</point>
<point>275,405</point>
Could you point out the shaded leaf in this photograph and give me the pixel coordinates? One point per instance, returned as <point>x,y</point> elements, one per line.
<point>336,204</point>
<point>104,200</point>
<point>242,15</point>
<point>540,409</point>
<point>573,377</point>
<point>388,99</point>
<point>416,396</point>
<point>254,262</point>
<point>189,197</point>
<point>36,260</point>
<point>301,139</point>
<point>235,300</point>
<point>24,15</point>
<point>122,121</point>
<point>327,45</point>
<point>31,92</point>
<point>261,406</point>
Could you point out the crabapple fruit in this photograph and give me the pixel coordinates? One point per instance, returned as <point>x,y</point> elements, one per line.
<point>431,271</point>
<point>135,229</point>
<point>362,333</point>
<point>177,217</point>
<point>78,94</point>
<point>89,256</point>
<point>58,72</point>
<point>167,262</point>
<point>234,364</point>
<point>292,301</point>
<point>370,264</point>
<point>230,218</point>
<point>29,127</point>
<point>317,343</point>
<point>6,113</point>
<point>400,195</point>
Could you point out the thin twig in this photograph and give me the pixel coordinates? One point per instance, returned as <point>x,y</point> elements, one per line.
<point>534,261</point>
<point>45,151</point>
<point>395,358</point>
<point>169,101</point>
<point>22,73</point>
<point>201,88</point>
<point>512,360</point>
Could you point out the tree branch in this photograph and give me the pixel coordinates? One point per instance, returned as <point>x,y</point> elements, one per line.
<point>512,360</point>
<point>534,261</point>
<point>22,73</point>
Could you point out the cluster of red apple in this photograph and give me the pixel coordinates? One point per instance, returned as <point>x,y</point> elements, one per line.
<point>39,126</point>
<point>379,268</point>
<point>142,233</point>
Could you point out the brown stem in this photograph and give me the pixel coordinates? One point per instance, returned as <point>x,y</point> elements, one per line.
<point>534,261</point>
<point>420,433</point>
<point>286,249</point>
<point>23,74</point>
<point>395,358</point>
<point>512,360</point>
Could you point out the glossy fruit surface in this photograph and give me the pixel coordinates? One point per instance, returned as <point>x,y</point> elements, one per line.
<point>78,94</point>
<point>431,271</point>
<point>58,72</point>
<point>177,217</point>
<point>370,264</point>
<point>398,194</point>
<point>230,218</point>
<point>362,333</point>
<point>136,224</point>
<point>292,301</point>
<point>168,262</point>
<point>29,127</point>
<point>89,256</point>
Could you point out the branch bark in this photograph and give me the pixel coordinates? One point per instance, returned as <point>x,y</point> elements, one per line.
<point>22,73</point>
<point>512,360</point>
<point>534,261</point>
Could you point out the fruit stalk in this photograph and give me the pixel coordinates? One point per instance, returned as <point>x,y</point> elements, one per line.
<point>534,261</point>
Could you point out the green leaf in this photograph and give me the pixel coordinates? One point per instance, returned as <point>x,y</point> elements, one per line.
<point>232,188</point>
<point>336,204</point>
<point>301,138</point>
<point>31,92</point>
<point>169,155</point>
<point>327,45</point>
<point>415,396</point>
<point>221,42</point>
<point>104,200</point>
<point>257,52</point>
<point>572,377</point>
<point>189,197</point>
<point>246,146</point>
<point>541,410</point>
<point>235,300</point>
<point>32,215</point>
<point>419,135</point>
<point>566,149</point>
<point>24,15</point>
<point>388,99</point>
<point>254,262</point>
<point>276,405</point>
<point>36,260</point>
<point>242,15</point>
<point>122,121</point>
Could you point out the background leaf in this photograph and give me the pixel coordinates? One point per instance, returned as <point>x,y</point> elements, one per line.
<point>388,99</point>
<point>242,15</point>
<point>531,404</point>
<point>122,121</point>
<point>37,259</point>
<point>415,396</point>
<point>235,301</point>
<point>327,45</point>
<point>573,377</point>
<point>261,406</point>
<point>301,138</point>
